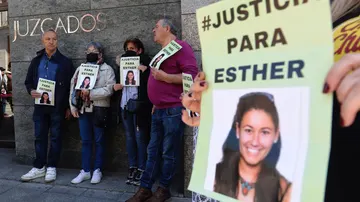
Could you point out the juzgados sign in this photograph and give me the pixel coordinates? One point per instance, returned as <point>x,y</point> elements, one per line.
<point>70,24</point>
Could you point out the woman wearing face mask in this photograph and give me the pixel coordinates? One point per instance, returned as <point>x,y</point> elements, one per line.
<point>343,80</point>
<point>136,125</point>
<point>92,107</point>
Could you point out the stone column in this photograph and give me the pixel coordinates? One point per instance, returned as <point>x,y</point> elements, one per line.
<point>190,34</point>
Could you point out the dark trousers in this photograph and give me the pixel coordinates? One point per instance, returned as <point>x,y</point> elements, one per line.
<point>136,140</point>
<point>167,130</point>
<point>90,133</point>
<point>43,122</point>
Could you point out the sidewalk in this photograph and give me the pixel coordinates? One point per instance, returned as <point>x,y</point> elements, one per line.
<point>111,188</point>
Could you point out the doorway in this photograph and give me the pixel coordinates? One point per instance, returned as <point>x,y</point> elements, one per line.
<point>7,135</point>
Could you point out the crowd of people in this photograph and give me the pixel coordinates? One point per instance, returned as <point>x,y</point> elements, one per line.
<point>153,132</point>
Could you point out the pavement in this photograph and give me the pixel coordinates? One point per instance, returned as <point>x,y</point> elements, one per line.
<point>111,188</point>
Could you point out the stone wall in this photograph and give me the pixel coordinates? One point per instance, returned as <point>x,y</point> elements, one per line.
<point>115,21</point>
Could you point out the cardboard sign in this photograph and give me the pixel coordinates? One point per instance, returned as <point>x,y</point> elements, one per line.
<point>129,72</point>
<point>164,54</point>
<point>47,90</point>
<point>87,76</point>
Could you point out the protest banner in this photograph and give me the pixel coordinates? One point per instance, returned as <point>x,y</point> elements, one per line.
<point>129,72</point>
<point>86,78</point>
<point>47,90</point>
<point>164,54</point>
<point>265,124</point>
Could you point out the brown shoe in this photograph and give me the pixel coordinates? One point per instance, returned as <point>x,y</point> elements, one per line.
<point>160,195</point>
<point>141,195</point>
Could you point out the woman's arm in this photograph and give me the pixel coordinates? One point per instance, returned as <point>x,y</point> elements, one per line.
<point>107,90</point>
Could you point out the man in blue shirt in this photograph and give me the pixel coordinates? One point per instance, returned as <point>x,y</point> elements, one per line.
<point>49,64</point>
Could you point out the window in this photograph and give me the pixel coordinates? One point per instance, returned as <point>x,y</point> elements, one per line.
<point>3,18</point>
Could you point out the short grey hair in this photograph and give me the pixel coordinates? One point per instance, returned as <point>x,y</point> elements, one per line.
<point>166,21</point>
<point>96,45</point>
<point>49,30</point>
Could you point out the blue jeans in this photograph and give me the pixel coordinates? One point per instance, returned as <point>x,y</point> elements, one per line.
<point>167,130</point>
<point>135,141</point>
<point>87,129</point>
<point>43,122</point>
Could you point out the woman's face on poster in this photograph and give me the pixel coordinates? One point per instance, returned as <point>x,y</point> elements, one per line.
<point>131,76</point>
<point>256,135</point>
<point>86,81</point>
<point>159,58</point>
<point>46,96</point>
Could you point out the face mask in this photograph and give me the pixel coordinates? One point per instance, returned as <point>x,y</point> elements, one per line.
<point>130,53</point>
<point>92,57</point>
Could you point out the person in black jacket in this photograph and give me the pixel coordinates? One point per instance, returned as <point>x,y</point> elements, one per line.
<point>48,64</point>
<point>137,125</point>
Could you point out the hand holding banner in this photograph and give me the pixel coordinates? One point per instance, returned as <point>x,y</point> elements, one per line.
<point>265,66</point>
<point>87,76</point>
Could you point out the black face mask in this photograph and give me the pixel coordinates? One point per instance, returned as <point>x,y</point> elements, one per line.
<point>92,57</point>
<point>130,53</point>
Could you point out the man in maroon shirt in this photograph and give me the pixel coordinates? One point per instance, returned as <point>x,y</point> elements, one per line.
<point>167,128</point>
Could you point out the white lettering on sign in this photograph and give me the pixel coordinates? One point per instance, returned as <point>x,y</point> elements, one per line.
<point>69,25</point>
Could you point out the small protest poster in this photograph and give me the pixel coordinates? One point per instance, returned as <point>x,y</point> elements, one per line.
<point>129,72</point>
<point>265,127</point>
<point>187,81</point>
<point>47,90</point>
<point>165,53</point>
<point>87,76</point>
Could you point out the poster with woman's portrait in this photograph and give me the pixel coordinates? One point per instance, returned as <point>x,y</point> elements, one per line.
<point>259,149</point>
<point>265,125</point>
<point>169,50</point>
<point>46,88</point>
<point>129,72</point>
<point>87,75</point>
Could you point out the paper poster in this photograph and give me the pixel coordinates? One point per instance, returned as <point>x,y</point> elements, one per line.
<point>129,72</point>
<point>47,90</point>
<point>187,81</point>
<point>265,125</point>
<point>164,54</point>
<point>87,76</point>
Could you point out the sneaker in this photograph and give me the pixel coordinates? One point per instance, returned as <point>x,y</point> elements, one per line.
<point>33,174</point>
<point>161,195</point>
<point>141,195</point>
<point>81,177</point>
<point>137,178</point>
<point>131,175</point>
<point>96,178</point>
<point>50,174</point>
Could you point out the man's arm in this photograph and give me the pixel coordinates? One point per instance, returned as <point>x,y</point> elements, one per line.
<point>29,81</point>
<point>188,63</point>
<point>173,78</point>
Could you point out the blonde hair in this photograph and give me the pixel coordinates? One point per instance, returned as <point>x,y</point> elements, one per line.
<point>340,8</point>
